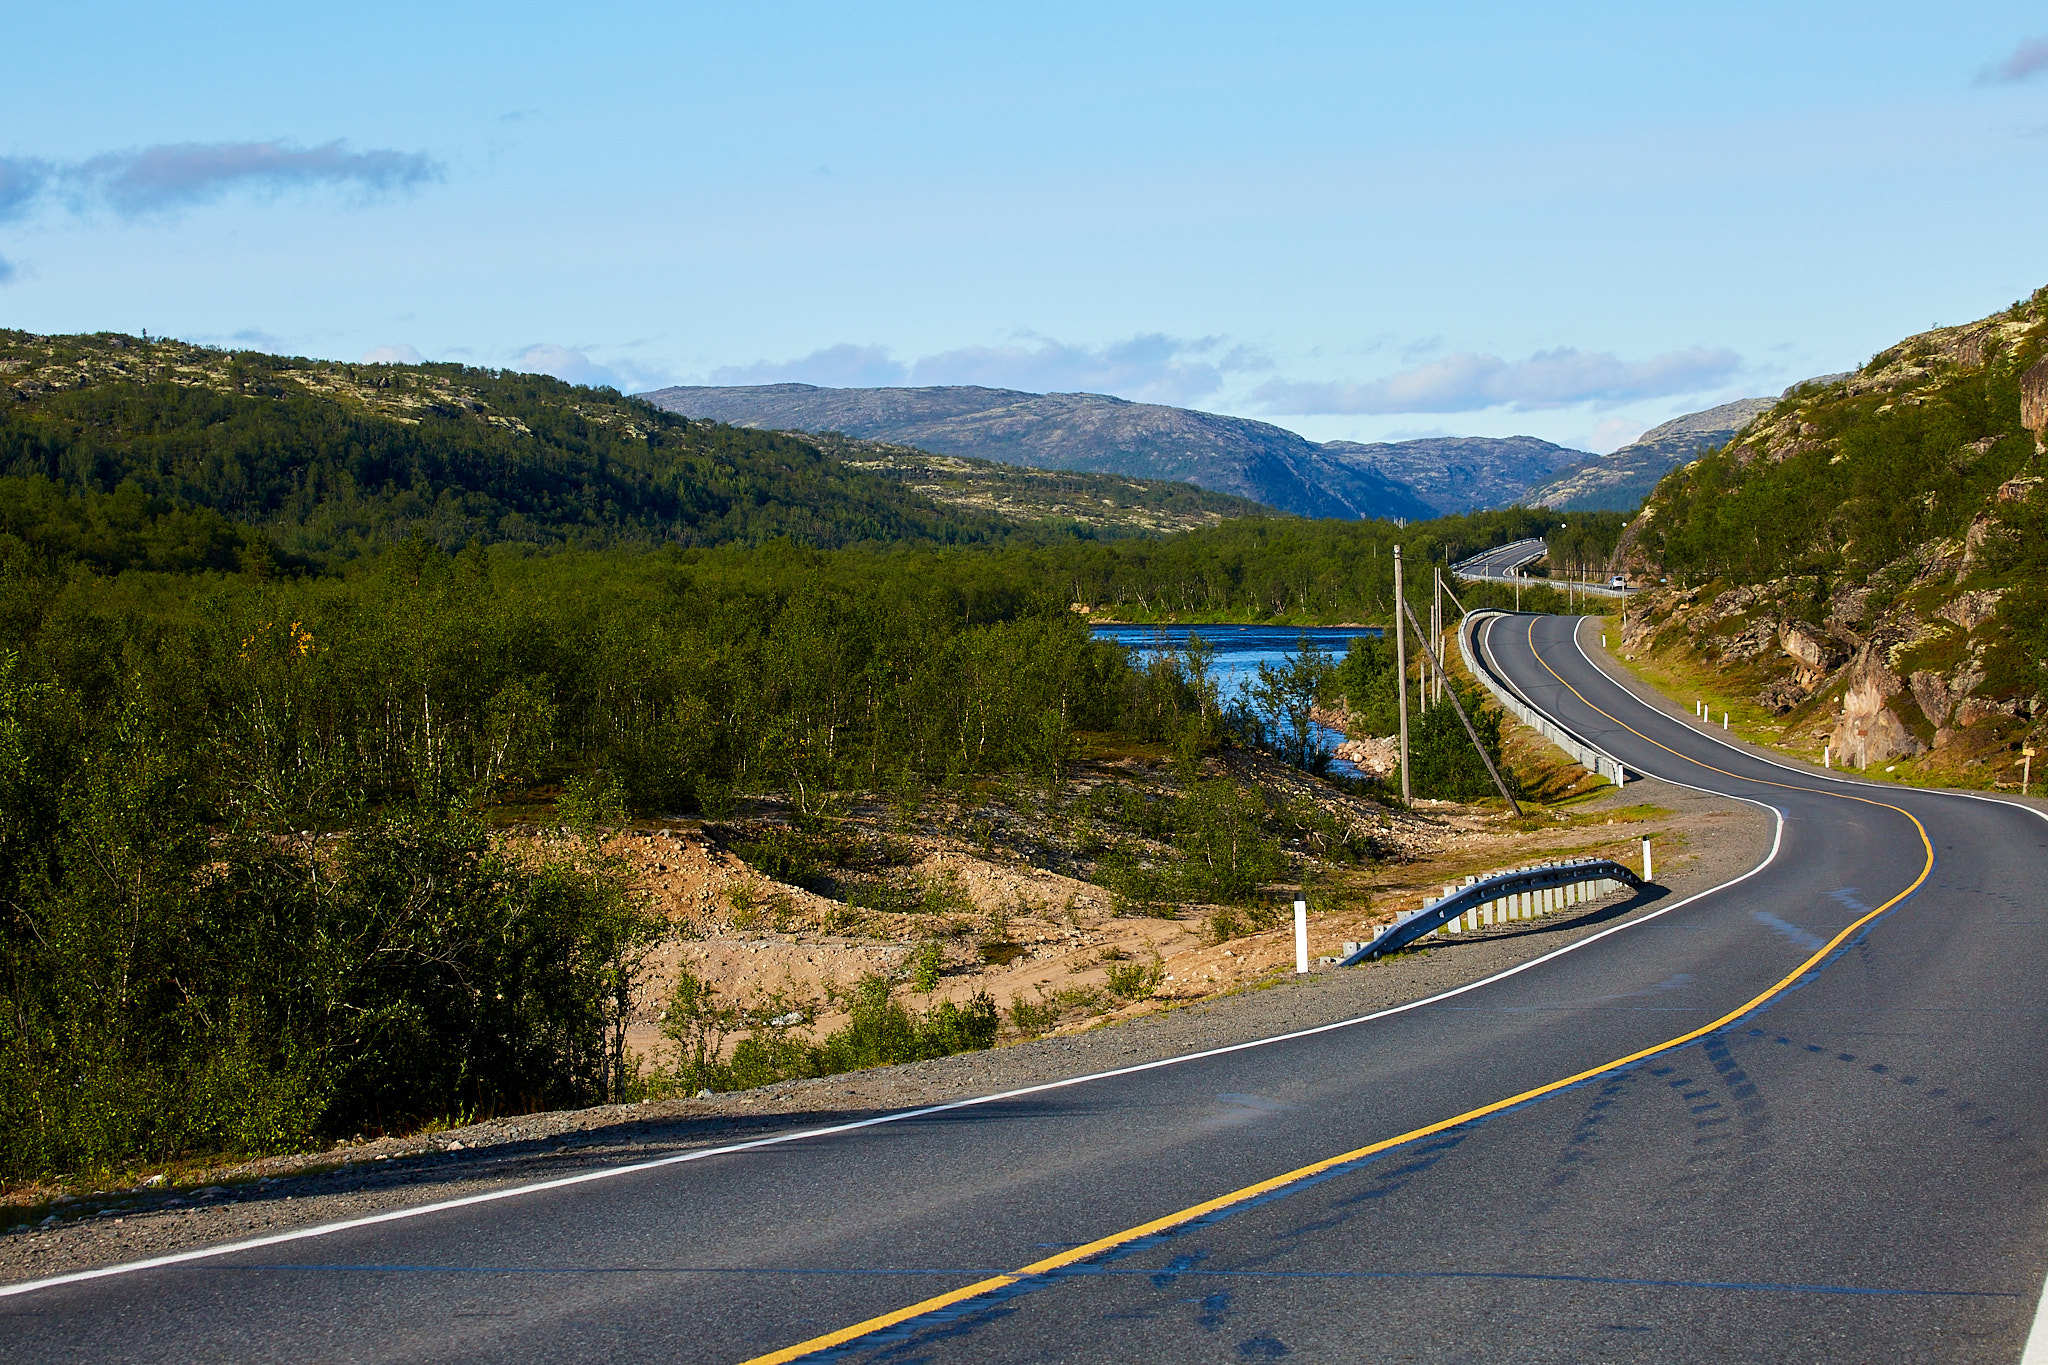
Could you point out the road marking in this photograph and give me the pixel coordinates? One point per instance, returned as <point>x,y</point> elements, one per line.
<point>2036,1350</point>
<point>1166,1223</point>
<point>898,1116</point>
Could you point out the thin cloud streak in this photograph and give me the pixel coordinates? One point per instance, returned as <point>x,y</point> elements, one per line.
<point>1471,382</point>
<point>144,181</point>
<point>2027,61</point>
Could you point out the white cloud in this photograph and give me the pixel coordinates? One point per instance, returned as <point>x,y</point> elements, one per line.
<point>2026,61</point>
<point>845,366</point>
<point>1150,367</point>
<point>574,365</point>
<point>1612,433</point>
<point>141,181</point>
<point>392,355</point>
<point>22,178</point>
<point>1470,382</point>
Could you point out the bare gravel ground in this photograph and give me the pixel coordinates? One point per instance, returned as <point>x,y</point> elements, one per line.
<point>1719,841</point>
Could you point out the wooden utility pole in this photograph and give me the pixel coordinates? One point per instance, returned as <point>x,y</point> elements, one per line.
<point>1401,670</point>
<point>1436,627</point>
<point>1500,784</point>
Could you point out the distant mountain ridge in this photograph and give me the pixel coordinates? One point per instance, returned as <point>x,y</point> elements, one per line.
<point>1620,481</point>
<point>1088,431</point>
<point>1076,431</point>
<point>1457,474</point>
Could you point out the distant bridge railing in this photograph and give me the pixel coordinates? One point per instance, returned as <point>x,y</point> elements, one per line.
<point>1596,761</point>
<point>1524,893</point>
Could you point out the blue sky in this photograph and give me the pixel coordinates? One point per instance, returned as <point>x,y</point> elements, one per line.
<point>1357,221</point>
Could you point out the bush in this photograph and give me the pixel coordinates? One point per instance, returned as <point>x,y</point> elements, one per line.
<point>1441,759</point>
<point>1136,980</point>
<point>249,993</point>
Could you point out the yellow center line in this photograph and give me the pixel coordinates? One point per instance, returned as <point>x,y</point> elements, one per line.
<point>1088,1251</point>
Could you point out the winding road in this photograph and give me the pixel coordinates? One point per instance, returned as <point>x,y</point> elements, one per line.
<point>1503,563</point>
<point>1800,1117</point>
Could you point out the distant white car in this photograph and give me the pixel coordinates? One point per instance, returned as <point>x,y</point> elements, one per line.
<point>1616,582</point>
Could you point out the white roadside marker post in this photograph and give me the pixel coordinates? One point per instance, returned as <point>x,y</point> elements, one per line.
<point>1827,755</point>
<point>2026,767</point>
<point>1648,871</point>
<point>1300,936</point>
<point>1724,720</point>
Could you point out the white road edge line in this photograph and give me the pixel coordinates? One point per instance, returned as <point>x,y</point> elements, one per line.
<point>2036,1350</point>
<point>804,1134</point>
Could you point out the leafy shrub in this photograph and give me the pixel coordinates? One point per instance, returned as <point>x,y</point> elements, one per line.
<point>1136,980</point>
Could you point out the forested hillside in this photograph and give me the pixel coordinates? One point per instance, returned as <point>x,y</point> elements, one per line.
<point>1874,550</point>
<point>167,454</point>
<point>285,645</point>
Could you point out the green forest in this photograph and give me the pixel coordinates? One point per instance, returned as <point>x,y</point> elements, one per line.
<point>259,717</point>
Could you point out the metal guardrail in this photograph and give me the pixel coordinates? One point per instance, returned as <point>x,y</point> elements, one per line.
<point>1532,550</point>
<point>1524,893</point>
<point>1593,760</point>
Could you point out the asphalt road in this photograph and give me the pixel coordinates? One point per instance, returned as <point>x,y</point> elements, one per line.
<point>1499,564</point>
<point>1850,1168</point>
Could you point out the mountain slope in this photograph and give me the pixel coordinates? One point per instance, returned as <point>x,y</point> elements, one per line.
<point>1619,481</point>
<point>1459,474</point>
<point>1074,431</point>
<point>1871,554</point>
<point>323,458</point>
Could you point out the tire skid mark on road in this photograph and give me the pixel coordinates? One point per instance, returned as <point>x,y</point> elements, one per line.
<point>2030,1159</point>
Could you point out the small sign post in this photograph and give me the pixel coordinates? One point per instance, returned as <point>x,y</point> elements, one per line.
<point>1300,935</point>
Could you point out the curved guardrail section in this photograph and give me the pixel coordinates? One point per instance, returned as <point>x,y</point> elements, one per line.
<point>1521,894</point>
<point>1595,761</point>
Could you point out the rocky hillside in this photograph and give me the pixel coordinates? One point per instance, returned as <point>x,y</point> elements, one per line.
<point>165,454</point>
<point>1618,482</point>
<point>1459,474</point>
<point>1075,431</point>
<point>1110,504</point>
<point>1871,554</point>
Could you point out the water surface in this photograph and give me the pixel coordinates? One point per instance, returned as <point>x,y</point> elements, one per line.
<point>1239,652</point>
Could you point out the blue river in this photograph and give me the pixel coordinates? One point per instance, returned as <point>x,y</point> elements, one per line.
<point>1239,652</point>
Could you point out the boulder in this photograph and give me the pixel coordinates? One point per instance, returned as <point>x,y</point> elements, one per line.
<point>2034,403</point>
<point>1971,609</point>
<point>1869,730</point>
<point>1971,710</point>
<point>1933,697</point>
<point>1813,654</point>
<point>1782,695</point>
<point>1983,532</point>
<point>1380,757</point>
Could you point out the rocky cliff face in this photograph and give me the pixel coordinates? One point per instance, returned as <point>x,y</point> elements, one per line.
<point>2034,404</point>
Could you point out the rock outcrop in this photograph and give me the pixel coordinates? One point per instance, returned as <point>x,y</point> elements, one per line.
<point>1869,730</point>
<point>2034,403</point>
<point>1380,757</point>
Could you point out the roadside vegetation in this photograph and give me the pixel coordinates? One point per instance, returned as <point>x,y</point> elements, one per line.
<point>281,678</point>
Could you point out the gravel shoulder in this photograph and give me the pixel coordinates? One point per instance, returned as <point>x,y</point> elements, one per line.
<point>1719,840</point>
